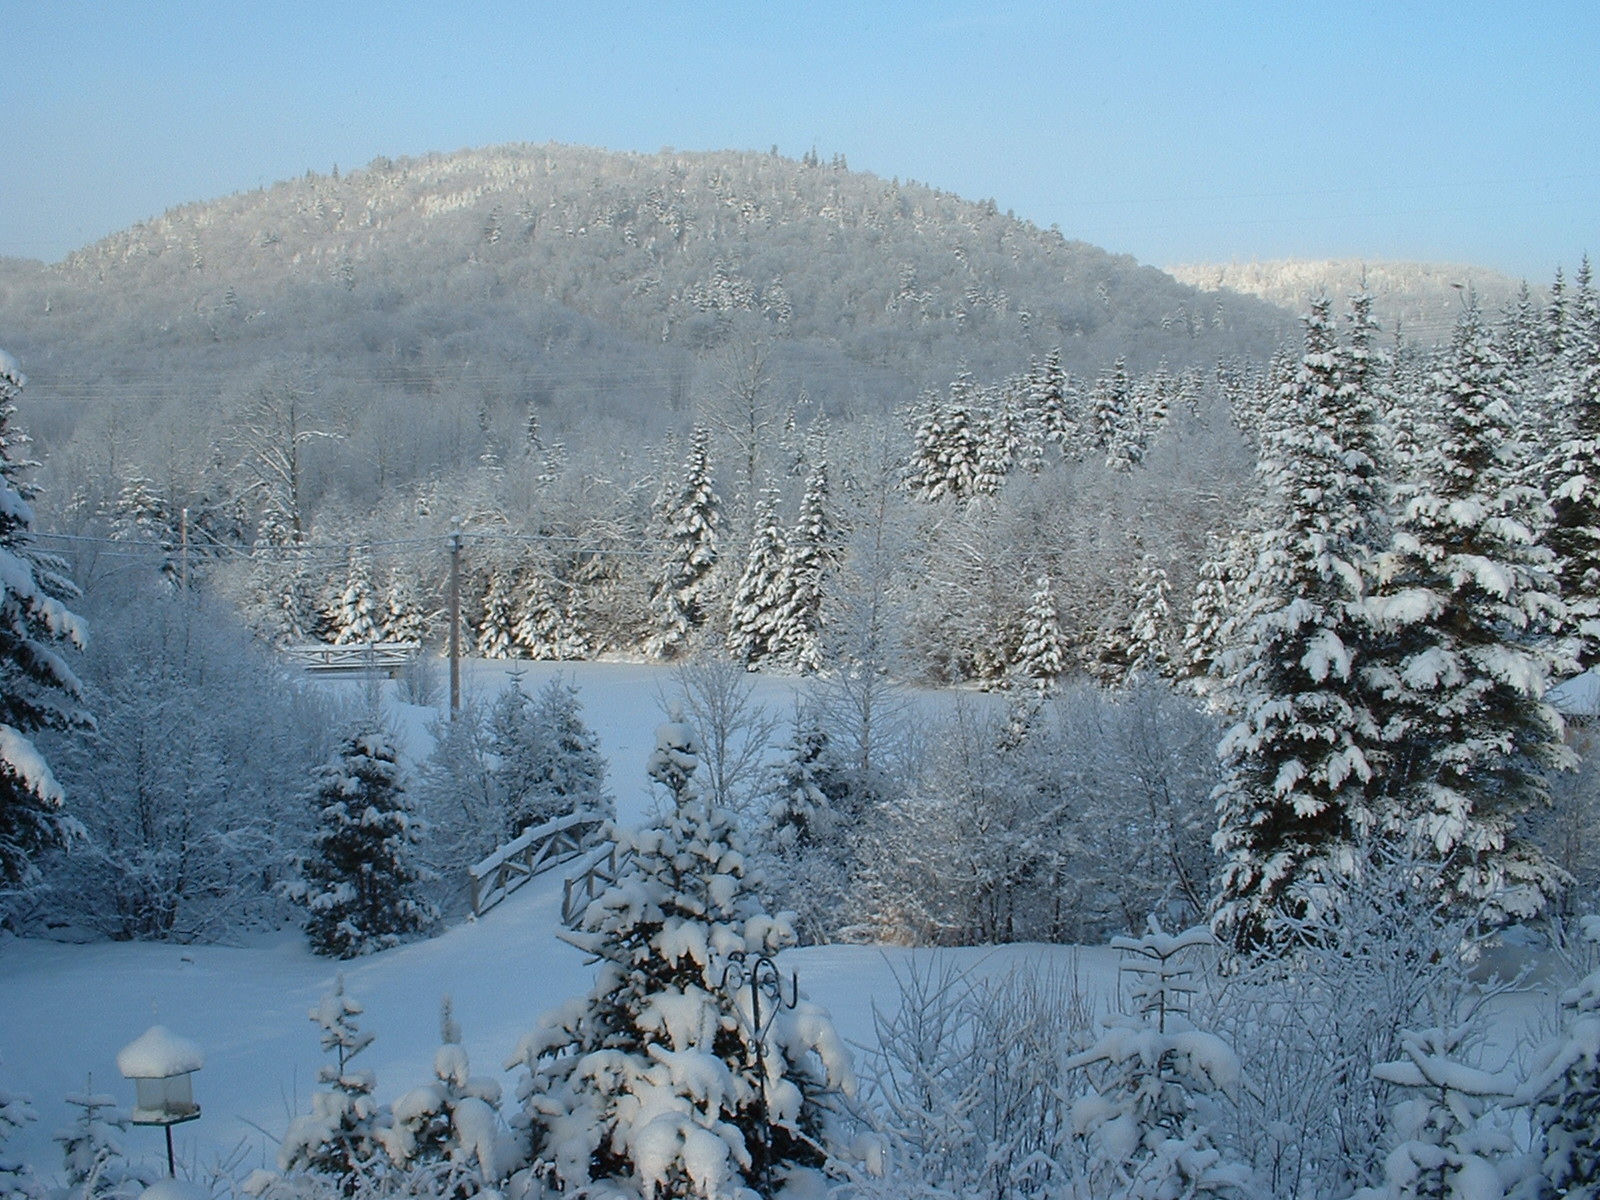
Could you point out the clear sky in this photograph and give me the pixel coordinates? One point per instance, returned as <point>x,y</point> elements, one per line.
<point>1176,131</point>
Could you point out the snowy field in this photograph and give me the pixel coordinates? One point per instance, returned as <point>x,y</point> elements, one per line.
<point>65,1010</point>
<point>68,1009</point>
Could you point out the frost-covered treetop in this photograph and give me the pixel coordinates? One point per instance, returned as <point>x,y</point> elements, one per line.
<point>158,1053</point>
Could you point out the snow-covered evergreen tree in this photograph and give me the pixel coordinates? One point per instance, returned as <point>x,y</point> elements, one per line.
<point>681,592</point>
<point>572,773</point>
<point>1114,421</point>
<point>1563,1093</point>
<point>93,1165</point>
<point>1444,1149</point>
<point>1149,625</point>
<point>754,611</point>
<point>356,616</point>
<point>498,622</point>
<point>1574,476</point>
<point>946,443</point>
<point>17,1178</point>
<point>1001,438</point>
<point>450,1126</point>
<point>812,556</point>
<point>647,1087</point>
<point>458,799</point>
<point>803,834</point>
<point>1467,602</point>
<point>1054,403</point>
<point>1149,1124</point>
<point>548,627</point>
<point>340,1137</point>
<point>1211,612</point>
<point>361,882</point>
<point>547,760</point>
<point>1299,760</point>
<point>38,690</point>
<point>1042,656</point>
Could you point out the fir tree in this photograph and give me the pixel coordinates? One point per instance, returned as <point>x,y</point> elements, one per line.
<point>449,1127</point>
<point>812,556</point>
<point>1466,603</point>
<point>17,1179</point>
<point>1299,760</point>
<point>1042,656</point>
<point>946,444</point>
<point>754,613</point>
<point>1053,401</point>
<point>38,690</point>
<point>546,628</point>
<point>1000,443</point>
<point>1148,1123</point>
<point>1210,613</point>
<point>647,1087</point>
<point>1444,1149</point>
<point>93,1164</point>
<point>681,593</point>
<point>571,777</point>
<point>496,627</point>
<point>1149,624</point>
<point>339,1138</point>
<point>355,617</point>
<point>1562,1091</point>
<point>1574,476</point>
<point>547,761</point>
<point>360,883</point>
<point>803,831</point>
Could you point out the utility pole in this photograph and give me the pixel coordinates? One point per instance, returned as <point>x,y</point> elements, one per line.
<point>183,549</point>
<point>455,618</point>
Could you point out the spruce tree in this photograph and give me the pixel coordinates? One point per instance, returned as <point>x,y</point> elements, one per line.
<point>680,596</point>
<point>1574,475</point>
<point>648,1085</point>
<point>355,617</point>
<point>360,882</point>
<point>1562,1092</point>
<point>1299,759</point>
<point>339,1138</point>
<point>1148,1123</point>
<point>1467,602</point>
<point>38,690</point>
<point>812,553</point>
<point>449,1128</point>
<point>1150,623</point>
<point>1041,658</point>
<point>497,625</point>
<point>17,1178</point>
<point>92,1159</point>
<point>754,612</point>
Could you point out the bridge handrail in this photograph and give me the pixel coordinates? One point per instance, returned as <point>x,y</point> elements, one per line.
<point>535,850</point>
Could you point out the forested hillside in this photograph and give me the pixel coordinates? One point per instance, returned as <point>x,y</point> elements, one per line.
<point>1419,300</point>
<point>439,300</point>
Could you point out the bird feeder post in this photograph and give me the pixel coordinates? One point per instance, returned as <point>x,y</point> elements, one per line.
<point>162,1065</point>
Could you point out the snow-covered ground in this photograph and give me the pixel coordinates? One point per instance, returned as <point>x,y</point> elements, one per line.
<point>66,1010</point>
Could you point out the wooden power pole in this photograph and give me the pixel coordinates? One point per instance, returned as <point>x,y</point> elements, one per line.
<point>455,619</point>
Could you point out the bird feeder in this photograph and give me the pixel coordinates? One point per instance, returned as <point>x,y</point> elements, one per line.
<point>162,1065</point>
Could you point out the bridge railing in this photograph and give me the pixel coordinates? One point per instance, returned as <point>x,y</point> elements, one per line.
<point>593,874</point>
<point>535,850</point>
<point>354,658</point>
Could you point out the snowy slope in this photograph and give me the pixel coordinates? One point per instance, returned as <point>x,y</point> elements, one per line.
<point>67,1010</point>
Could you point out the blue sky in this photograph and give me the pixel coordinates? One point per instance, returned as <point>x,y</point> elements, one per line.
<point>1173,131</point>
